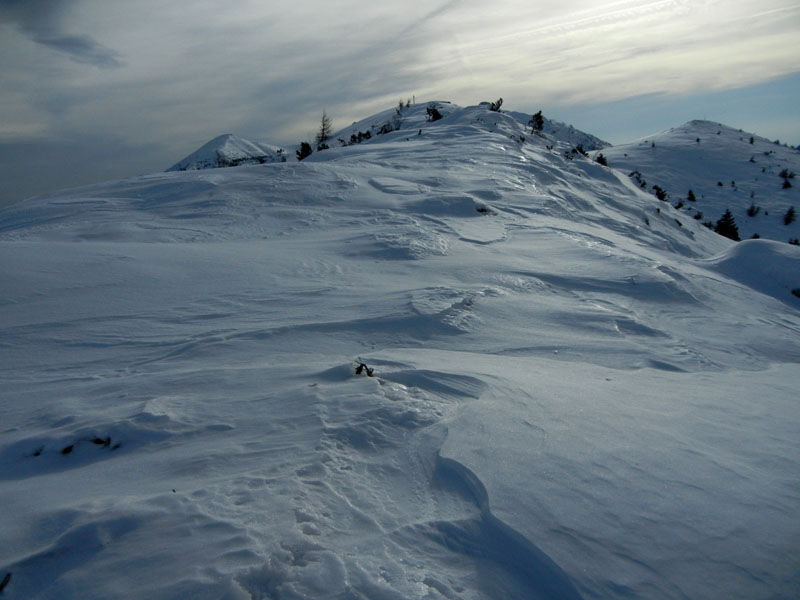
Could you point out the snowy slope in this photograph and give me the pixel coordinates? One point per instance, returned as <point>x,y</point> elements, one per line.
<point>229,151</point>
<point>724,170</point>
<point>564,132</point>
<point>573,395</point>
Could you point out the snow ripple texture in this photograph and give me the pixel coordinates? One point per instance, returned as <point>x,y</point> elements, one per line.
<point>457,360</point>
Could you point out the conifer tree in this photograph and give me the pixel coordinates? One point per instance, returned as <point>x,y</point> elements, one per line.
<point>325,128</point>
<point>536,122</point>
<point>495,106</point>
<point>726,225</point>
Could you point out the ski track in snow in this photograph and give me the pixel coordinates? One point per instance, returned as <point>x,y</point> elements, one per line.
<point>573,396</point>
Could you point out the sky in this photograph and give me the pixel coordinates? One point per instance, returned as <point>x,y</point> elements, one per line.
<point>92,90</point>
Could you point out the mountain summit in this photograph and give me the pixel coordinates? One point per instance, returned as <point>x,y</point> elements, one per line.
<point>229,151</point>
<point>725,169</point>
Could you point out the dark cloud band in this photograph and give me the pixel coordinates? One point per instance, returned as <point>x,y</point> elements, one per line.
<point>40,20</point>
<point>81,49</point>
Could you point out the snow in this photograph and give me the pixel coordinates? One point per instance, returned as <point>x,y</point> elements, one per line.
<point>749,174</point>
<point>769,267</point>
<point>229,151</point>
<point>573,395</point>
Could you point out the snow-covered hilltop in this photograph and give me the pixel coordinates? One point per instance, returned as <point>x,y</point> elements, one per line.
<point>229,151</point>
<point>450,359</point>
<point>725,169</point>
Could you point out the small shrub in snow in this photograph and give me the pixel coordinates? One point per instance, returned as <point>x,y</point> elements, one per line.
<point>698,216</point>
<point>358,138</point>
<point>495,106</point>
<point>433,113</point>
<point>536,122</point>
<point>601,159</point>
<point>755,236</point>
<point>753,210</point>
<point>393,124</point>
<point>304,151</point>
<point>786,184</point>
<point>660,192</point>
<point>637,177</point>
<point>363,369</point>
<point>691,197</point>
<point>579,150</point>
<point>795,291</point>
<point>794,241</point>
<point>789,217</point>
<point>726,226</point>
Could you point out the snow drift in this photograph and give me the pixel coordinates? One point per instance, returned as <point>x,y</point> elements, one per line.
<point>574,391</point>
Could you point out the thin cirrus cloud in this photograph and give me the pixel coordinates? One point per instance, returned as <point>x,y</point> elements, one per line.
<point>595,52</point>
<point>267,70</point>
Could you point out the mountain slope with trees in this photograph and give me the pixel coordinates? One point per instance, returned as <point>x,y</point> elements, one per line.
<point>724,169</point>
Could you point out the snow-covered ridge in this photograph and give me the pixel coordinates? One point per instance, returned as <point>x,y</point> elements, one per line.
<point>455,360</point>
<point>231,151</point>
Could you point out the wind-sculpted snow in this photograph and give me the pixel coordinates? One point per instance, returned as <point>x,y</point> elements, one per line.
<point>768,267</point>
<point>450,361</point>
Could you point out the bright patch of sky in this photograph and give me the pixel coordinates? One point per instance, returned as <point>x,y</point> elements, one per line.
<point>146,83</point>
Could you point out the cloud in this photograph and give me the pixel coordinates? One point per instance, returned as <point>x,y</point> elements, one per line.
<point>82,49</point>
<point>42,22</point>
<point>267,71</point>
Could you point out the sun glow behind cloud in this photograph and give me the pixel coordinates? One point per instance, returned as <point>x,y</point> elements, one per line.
<point>590,52</point>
